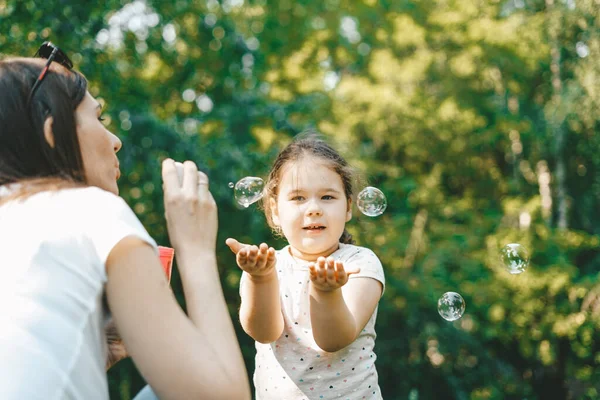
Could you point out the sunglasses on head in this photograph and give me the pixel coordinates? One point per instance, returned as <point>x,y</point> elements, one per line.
<point>51,53</point>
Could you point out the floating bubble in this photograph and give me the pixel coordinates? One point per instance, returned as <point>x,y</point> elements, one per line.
<point>231,185</point>
<point>248,190</point>
<point>514,258</point>
<point>451,306</point>
<point>371,201</point>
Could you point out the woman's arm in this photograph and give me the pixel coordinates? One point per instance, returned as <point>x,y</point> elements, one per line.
<point>180,356</point>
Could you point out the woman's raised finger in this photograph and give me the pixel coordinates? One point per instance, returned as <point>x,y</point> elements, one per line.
<point>190,179</point>
<point>169,176</point>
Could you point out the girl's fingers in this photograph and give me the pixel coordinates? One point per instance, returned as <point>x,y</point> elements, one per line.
<point>321,262</point>
<point>263,257</point>
<point>252,254</point>
<point>323,272</point>
<point>241,258</point>
<point>354,270</point>
<point>270,256</point>
<point>330,274</point>
<point>330,271</point>
<point>316,269</point>
<point>233,245</point>
<point>340,271</point>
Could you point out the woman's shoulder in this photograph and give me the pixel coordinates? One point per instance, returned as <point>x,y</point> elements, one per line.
<point>84,191</point>
<point>79,204</point>
<point>82,197</point>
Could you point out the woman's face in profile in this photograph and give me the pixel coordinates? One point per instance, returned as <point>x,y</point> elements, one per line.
<point>98,146</point>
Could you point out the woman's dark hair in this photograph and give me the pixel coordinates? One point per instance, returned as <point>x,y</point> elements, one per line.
<point>25,154</point>
<point>307,144</point>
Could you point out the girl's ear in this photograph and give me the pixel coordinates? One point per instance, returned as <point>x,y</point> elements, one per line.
<point>349,212</point>
<point>274,211</point>
<point>48,134</point>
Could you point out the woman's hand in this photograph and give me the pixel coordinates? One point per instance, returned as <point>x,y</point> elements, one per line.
<point>328,274</point>
<point>258,261</point>
<point>190,208</point>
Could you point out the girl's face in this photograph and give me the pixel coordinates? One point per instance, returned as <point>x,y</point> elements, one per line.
<point>311,208</point>
<point>98,146</point>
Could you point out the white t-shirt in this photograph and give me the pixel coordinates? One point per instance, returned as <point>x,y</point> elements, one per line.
<point>53,249</point>
<point>294,367</point>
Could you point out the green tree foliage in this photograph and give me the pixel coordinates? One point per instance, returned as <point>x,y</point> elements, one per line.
<point>478,119</point>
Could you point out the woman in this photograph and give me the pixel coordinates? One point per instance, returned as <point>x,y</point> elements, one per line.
<point>67,240</point>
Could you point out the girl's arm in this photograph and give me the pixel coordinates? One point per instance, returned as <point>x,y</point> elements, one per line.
<point>340,308</point>
<point>260,310</point>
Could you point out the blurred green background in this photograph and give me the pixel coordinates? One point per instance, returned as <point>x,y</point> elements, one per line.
<point>478,119</point>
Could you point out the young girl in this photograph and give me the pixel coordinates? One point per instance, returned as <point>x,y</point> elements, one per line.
<point>311,306</point>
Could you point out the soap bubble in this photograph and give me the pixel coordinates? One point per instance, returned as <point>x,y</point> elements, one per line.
<point>248,190</point>
<point>231,185</point>
<point>514,258</point>
<point>371,201</point>
<point>451,306</point>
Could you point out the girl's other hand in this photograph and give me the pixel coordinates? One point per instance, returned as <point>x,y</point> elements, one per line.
<point>327,274</point>
<point>190,209</point>
<point>257,261</point>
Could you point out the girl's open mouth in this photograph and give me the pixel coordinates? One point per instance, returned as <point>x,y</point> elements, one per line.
<point>314,228</point>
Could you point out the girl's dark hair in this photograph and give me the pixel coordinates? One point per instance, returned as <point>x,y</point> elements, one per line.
<point>25,154</point>
<point>307,144</point>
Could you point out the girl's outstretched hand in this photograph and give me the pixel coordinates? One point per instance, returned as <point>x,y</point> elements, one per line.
<point>258,261</point>
<point>327,274</point>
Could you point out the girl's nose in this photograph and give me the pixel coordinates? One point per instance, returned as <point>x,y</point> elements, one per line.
<point>313,209</point>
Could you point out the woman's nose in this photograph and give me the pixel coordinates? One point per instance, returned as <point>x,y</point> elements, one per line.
<point>117,144</point>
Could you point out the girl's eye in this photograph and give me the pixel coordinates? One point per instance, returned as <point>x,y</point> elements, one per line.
<point>297,198</point>
<point>328,197</point>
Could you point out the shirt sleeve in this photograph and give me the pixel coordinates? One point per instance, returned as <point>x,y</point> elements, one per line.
<point>110,220</point>
<point>369,264</point>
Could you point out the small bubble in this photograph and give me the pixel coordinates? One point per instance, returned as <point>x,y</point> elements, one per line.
<point>515,258</point>
<point>371,201</point>
<point>231,185</point>
<point>451,306</point>
<point>248,190</point>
